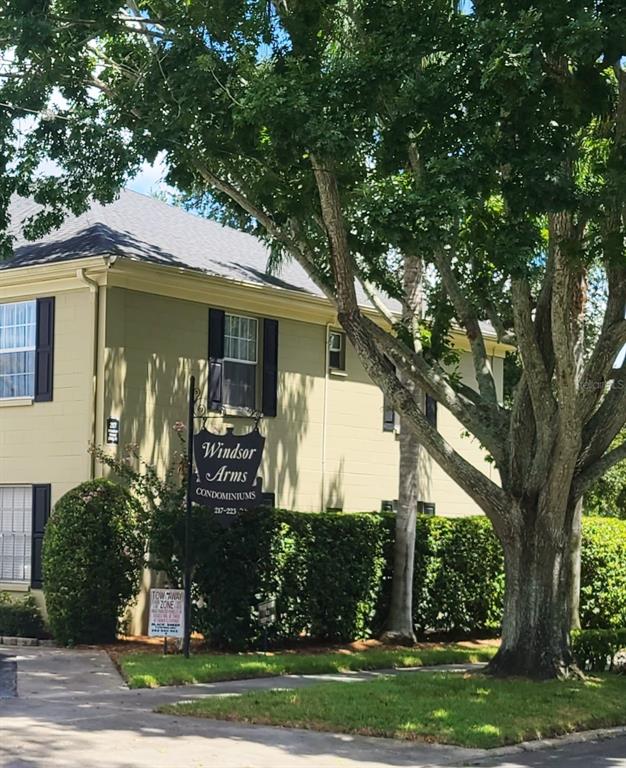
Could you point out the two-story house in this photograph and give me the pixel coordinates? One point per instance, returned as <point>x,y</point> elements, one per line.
<point>102,323</point>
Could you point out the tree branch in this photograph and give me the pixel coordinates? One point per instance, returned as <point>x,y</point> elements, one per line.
<point>612,337</point>
<point>503,334</point>
<point>567,317</point>
<point>295,248</point>
<point>606,422</point>
<point>468,318</point>
<point>488,423</point>
<point>413,297</point>
<point>377,302</point>
<point>362,334</point>
<point>593,473</point>
<point>537,378</point>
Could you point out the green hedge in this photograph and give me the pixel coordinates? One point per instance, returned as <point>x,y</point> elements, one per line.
<point>595,649</point>
<point>20,617</point>
<point>603,573</point>
<point>331,574</point>
<point>92,561</point>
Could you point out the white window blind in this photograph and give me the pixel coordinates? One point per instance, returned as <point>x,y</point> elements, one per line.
<point>16,515</point>
<point>18,332</point>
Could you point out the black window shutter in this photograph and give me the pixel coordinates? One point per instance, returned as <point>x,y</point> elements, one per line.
<point>389,416</point>
<point>270,367</point>
<point>44,354</point>
<point>41,513</point>
<point>431,410</point>
<point>216,357</point>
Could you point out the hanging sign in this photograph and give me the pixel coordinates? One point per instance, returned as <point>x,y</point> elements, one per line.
<point>166,613</point>
<point>227,467</point>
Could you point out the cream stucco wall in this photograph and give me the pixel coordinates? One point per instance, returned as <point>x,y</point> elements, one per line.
<point>325,448</point>
<point>47,442</point>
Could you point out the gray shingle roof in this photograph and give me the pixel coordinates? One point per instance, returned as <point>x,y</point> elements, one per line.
<point>142,228</point>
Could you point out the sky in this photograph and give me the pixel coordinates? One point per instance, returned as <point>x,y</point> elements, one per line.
<point>150,178</point>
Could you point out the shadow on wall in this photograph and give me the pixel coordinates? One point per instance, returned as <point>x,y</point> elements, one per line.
<point>285,434</point>
<point>149,394</point>
<point>154,345</point>
<point>333,492</point>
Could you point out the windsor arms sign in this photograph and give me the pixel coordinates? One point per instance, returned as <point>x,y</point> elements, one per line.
<point>227,467</point>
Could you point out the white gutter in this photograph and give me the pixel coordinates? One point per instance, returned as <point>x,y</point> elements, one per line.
<point>94,289</point>
<point>327,328</point>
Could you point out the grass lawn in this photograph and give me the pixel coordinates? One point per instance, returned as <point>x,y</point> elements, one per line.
<point>150,670</point>
<point>467,710</point>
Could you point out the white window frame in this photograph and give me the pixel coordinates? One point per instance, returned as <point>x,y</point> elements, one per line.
<point>335,335</point>
<point>228,315</point>
<point>255,362</point>
<point>341,351</point>
<point>26,533</point>
<point>17,350</point>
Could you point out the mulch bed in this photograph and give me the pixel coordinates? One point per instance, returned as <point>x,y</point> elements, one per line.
<point>145,644</point>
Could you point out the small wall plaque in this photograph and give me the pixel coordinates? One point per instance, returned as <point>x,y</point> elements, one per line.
<point>113,431</point>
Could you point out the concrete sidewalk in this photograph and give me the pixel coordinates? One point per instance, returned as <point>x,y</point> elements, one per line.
<point>73,710</point>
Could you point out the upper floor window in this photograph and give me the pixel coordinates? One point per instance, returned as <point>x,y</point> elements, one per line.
<point>16,516</point>
<point>18,340</point>
<point>337,350</point>
<point>240,361</point>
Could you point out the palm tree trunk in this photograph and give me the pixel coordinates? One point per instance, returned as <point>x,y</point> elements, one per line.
<point>399,626</point>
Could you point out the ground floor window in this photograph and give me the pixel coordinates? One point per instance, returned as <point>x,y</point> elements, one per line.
<point>16,519</point>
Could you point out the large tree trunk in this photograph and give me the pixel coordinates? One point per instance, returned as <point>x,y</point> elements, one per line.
<point>399,626</point>
<point>537,604</point>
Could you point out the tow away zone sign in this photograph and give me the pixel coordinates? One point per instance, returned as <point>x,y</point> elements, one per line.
<point>167,612</point>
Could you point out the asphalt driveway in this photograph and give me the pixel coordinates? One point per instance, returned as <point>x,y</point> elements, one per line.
<point>8,671</point>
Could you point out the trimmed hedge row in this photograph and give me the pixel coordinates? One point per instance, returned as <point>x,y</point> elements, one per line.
<point>20,617</point>
<point>331,574</point>
<point>603,573</point>
<point>595,650</point>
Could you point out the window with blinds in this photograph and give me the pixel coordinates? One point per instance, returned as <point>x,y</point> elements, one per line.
<point>240,361</point>
<point>16,518</point>
<point>18,338</point>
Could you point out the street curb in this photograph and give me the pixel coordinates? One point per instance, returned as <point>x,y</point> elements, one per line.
<point>579,737</point>
<point>25,642</point>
